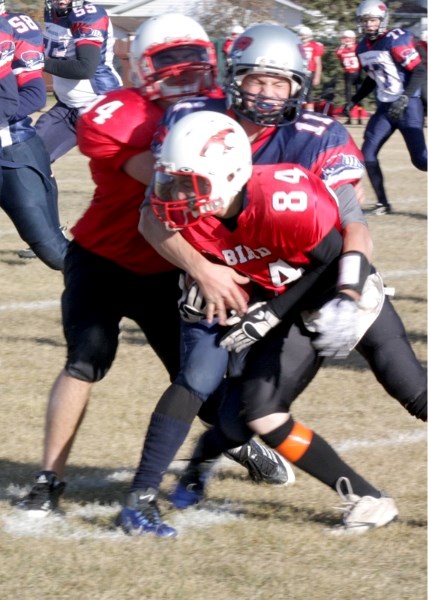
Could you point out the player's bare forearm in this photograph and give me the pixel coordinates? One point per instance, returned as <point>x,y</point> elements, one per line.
<point>357,238</point>
<point>218,283</point>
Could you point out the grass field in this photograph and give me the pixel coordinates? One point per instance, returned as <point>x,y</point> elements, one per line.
<point>247,541</point>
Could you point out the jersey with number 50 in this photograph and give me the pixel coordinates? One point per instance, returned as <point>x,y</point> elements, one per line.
<point>287,211</point>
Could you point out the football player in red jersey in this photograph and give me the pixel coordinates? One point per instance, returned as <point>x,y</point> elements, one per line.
<point>280,226</point>
<point>395,71</point>
<point>267,97</point>
<point>29,193</point>
<point>314,51</point>
<point>110,270</point>
<point>270,111</point>
<point>351,67</point>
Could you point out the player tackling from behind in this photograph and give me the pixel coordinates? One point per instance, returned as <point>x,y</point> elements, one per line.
<point>111,271</point>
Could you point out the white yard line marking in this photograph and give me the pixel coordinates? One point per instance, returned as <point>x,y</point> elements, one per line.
<point>96,518</point>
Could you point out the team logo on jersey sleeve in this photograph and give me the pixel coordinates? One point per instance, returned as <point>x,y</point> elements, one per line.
<point>7,50</point>
<point>32,59</point>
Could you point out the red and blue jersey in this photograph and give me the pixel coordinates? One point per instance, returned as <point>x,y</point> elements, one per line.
<point>317,142</point>
<point>389,60</point>
<point>89,24</point>
<point>27,67</point>
<point>9,99</point>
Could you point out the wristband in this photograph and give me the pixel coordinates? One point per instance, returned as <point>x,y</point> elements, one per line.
<point>354,268</point>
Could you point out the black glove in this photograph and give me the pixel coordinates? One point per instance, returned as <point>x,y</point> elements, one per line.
<point>191,304</point>
<point>347,109</point>
<point>395,111</point>
<point>246,330</point>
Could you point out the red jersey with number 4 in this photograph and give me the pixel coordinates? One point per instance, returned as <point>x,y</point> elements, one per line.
<point>119,126</point>
<point>286,213</point>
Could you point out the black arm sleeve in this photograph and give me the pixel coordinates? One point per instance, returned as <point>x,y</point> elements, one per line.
<point>416,80</point>
<point>364,90</point>
<point>323,255</point>
<point>82,67</point>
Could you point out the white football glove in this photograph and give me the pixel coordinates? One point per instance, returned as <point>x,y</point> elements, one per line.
<point>191,304</point>
<point>336,325</point>
<point>250,328</point>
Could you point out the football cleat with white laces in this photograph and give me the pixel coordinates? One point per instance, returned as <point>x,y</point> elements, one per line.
<point>141,515</point>
<point>44,496</point>
<point>264,465</point>
<point>362,513</point>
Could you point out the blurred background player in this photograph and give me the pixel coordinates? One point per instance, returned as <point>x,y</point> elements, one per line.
<point>79,43</point>
<point>78,39</point>
<point>314,52</point>
<point>227,44</point>
<point>395,70</point>
<point>346,53</point>
<point>29,193</point>
<point>9,99</point>
<point>421,47</point>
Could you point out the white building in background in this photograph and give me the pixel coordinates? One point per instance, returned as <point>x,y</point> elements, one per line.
<point>126,15</point>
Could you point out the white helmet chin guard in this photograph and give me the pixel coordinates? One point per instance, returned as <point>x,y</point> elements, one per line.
<point>205,161</point>
<point>172,57</point>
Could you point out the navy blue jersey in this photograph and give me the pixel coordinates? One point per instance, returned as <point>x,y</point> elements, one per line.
<point>27,67</point>
<point>8,87</point>
<point>389,60</point>
<point>317,142</point>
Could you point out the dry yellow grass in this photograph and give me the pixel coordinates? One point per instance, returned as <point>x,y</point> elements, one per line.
<point>248,541</point>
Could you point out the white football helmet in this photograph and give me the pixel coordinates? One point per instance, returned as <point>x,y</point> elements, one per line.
<point>237,30</point>
<point>348,37</point>
<point>374,9</point>
<point>171,56</point>
<point>305,34</point>
<point>204,162</point>
<point>269,50</point>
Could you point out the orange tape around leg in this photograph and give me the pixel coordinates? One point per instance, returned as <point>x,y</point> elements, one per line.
<point>297,443</point>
